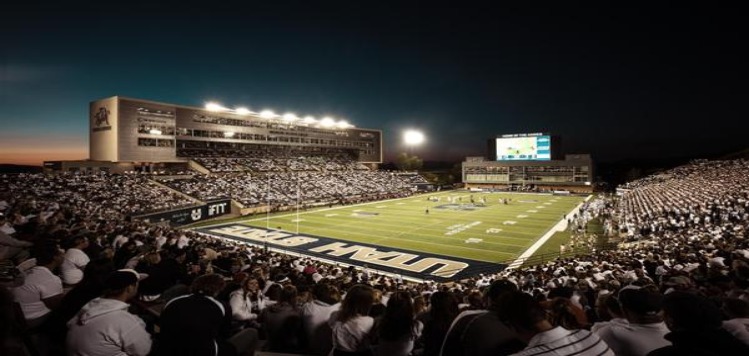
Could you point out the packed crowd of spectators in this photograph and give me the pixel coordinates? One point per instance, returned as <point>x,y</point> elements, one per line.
<point>682,289</point>
<point>288,188</point>
<point>280,164</point>
<point>290,178</point>
<point>101,194</point>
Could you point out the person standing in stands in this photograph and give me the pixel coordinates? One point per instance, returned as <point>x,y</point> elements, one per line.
<point>199,325</point>
<point>104,326</point>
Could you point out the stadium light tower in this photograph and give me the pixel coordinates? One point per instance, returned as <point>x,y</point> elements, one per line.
<point>413,138</point>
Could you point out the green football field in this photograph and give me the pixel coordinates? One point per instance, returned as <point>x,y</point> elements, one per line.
<point>487,230</point>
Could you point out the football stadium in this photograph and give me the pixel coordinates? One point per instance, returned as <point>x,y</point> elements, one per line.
<point>352,178</point>
<point>484,233</point>
<point>312,188</point>
<point>264,214</point>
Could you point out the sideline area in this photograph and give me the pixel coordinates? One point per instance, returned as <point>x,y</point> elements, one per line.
<point>559,227</point>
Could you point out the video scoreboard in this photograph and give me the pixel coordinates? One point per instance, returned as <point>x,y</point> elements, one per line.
<point>522,147</point>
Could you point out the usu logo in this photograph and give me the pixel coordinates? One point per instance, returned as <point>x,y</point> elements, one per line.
<point>101,119</point>
<point>196,214</point>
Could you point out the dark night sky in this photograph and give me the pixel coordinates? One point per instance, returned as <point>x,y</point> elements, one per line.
<point>615,82</point>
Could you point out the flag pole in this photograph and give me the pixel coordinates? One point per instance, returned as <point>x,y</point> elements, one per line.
<point>297,204</point>
<point>267,211</point>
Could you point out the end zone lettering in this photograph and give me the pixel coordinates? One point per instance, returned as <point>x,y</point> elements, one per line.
<point>262,235</point>
<point>397,261</point>
<point>393,259</point>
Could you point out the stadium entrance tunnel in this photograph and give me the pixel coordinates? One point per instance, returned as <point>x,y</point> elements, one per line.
<point>409,264</point>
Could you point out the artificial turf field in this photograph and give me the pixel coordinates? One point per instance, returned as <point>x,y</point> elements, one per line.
<point>490,231</point>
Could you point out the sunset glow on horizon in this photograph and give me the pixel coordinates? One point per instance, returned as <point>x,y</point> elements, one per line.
<point>34,150</point>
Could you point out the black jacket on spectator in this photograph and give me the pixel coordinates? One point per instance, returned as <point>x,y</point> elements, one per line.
<point>481,334</point>
<point>163,276</point>
<point>712,342</point>
<point>195,325</point>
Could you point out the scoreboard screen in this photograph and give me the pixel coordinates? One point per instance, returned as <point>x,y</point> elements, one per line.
<point>524,148</point>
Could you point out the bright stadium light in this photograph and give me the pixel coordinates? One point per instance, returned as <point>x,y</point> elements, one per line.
<point>267,114</point>
<point>228,134</point>
<point>154,131</point>
<point>211,106</point>
<point>242,111</point>
<point>289,117</point>
<point>413,137</point>
<point>343,124</point>
<point>327,122</point>
<point>309,120</point>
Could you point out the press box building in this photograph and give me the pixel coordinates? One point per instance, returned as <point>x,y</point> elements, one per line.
<point>134,132</point>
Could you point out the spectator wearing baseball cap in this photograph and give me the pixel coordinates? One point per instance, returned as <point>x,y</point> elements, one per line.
<point>104,326</point>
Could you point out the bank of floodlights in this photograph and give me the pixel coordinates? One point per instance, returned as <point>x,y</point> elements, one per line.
<point>326,122</point>
<point>267,114</point>
<point>242,111</point>
<point>289,117</point>
<point>212,106</point>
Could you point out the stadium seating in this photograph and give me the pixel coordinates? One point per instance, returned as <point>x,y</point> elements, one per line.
<point>684,247</point>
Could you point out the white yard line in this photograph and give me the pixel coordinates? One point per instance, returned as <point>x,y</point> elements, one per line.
<point>560,226</point>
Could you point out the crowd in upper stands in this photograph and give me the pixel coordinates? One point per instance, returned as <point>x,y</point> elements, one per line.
<point>288,180</point>
<point>99,194</point>
<point>677,285</point>
<point>288,189</point>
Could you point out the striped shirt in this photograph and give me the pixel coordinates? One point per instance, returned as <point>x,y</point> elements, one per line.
<point>562,342</point>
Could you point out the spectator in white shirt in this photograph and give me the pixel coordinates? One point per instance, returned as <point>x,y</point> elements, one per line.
<point>247,302</point>
<point>75,261</point>
<point>41,290</point>
<point>645,329</point>
<point>315,315</point>
<point>351,325</point>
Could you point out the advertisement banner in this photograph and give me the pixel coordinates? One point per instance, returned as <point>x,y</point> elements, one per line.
<point>190,215</point>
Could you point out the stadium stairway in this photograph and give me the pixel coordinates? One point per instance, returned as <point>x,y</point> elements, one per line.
<point>198,167</point>
<point>195,200</point>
